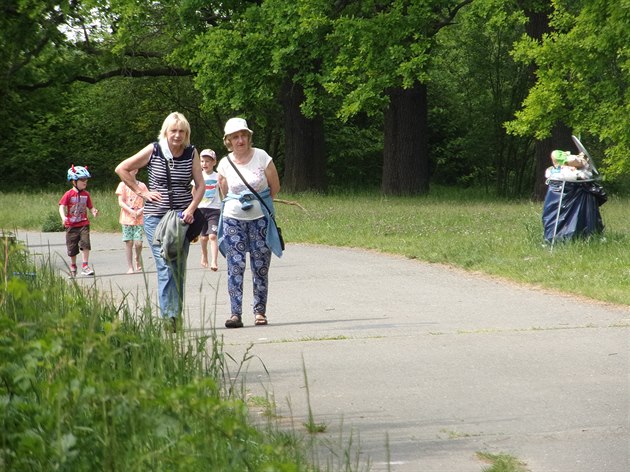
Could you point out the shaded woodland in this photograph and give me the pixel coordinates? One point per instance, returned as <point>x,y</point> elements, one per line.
<point>388,96</point>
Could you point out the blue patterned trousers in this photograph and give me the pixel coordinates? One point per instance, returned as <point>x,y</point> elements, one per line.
<point>243,236</point>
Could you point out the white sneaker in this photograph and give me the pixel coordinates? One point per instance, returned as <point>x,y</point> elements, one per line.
<point>87,270</point>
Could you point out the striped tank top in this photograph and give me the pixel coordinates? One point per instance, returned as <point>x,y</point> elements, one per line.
<point>181,175</point>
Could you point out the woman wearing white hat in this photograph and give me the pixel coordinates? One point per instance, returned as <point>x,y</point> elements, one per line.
<point>247,175</point>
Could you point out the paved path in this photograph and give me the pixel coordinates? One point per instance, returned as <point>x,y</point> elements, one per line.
<point>421,365</point>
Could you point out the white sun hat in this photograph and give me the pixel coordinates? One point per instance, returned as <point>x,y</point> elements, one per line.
<point>235,124</point>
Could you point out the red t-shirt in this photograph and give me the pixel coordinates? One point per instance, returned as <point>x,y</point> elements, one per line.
<point>77,203</point>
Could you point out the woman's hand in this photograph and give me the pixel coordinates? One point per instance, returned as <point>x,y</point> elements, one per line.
<point>188,216</point>
<point>150,196</point>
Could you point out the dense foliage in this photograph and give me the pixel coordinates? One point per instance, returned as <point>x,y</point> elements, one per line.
<point>84,385</point>
<point>583,74</point>
<point>90,82</point>
<point>475,90</point>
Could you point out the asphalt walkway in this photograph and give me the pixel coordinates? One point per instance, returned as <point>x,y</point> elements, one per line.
<point>419,367</point>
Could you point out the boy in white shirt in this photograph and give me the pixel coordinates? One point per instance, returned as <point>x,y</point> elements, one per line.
<point>210,207</point>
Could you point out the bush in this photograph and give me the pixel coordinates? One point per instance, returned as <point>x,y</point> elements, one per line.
<point>87,386</point>
<point>52,223</point>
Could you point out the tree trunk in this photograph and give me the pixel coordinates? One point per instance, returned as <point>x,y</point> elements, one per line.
<point>537,26</point>
<point>406,150</point>
<point>304,146</point>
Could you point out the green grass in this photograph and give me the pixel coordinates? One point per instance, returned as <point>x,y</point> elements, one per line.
<point>90,385</point>
<point>501,463</point>
<point>461,228</point>
<point>472,232</point>
<point>87,386</point>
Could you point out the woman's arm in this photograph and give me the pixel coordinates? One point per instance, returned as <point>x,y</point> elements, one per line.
<point>223,185</point>
<point>137,161</point>
<point>273,180</point>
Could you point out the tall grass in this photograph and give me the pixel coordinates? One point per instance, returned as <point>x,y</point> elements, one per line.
<point>84,385</point>
<point>462,228</point>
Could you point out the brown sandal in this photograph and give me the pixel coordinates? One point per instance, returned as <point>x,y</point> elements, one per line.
<point>261,320</point>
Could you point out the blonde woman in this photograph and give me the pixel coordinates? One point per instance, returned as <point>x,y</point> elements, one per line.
<point>173,154</point>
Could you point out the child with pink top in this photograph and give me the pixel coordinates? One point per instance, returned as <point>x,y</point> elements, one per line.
<point>132,220</point>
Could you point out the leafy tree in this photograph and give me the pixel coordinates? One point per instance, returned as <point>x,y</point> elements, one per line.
<point>382,62</point>
<point>475,88</point>
<point>33,50</point>
<point>113,119</point>
<point>355,153</point>
<point>50,51</point>
<point>538,12</point>
<point>256,60</point>
<point>582,76</point>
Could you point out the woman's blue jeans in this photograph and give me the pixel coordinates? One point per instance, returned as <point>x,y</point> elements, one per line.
<point>171,277</point>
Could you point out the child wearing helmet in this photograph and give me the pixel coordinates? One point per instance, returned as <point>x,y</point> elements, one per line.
<point>73,208</point>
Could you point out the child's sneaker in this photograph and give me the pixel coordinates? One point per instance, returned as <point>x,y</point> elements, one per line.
<point>87,270</point>
<point>73,272</point>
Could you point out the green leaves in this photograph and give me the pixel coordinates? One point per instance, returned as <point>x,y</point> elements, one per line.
<point>85,385</point>
<point>582,76</point>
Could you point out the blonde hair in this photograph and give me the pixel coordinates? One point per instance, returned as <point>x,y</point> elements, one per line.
<point>172,119</point>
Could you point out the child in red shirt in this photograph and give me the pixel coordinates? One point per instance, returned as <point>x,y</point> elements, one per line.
<point>73,208</point>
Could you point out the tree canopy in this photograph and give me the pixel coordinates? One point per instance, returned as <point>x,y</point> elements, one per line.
<point>341,93</point>
<point>583,70</point>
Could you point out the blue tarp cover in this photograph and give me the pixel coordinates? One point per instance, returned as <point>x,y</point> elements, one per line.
<point>579,211</point>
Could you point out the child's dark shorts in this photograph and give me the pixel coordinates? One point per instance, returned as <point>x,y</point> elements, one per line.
<point>211,220</point>
<point>78,239</point>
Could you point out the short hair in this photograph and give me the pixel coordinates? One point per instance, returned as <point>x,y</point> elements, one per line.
<point>171,119</point>
<point>227,144</point>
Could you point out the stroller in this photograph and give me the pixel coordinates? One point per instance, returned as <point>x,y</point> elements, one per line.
<point>571,207</point>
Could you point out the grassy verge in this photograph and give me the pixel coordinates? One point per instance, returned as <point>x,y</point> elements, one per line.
<point>85,385</point>
<point>474,233</point>
<point>501,463</point>
<point>466,229</point>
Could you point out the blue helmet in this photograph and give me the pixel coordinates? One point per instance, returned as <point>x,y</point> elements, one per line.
<point>78,172</point>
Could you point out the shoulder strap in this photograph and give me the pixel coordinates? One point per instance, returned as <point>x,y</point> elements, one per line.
<point>251,189</point>
<point>158,151</point>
